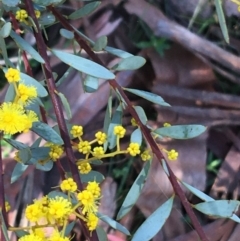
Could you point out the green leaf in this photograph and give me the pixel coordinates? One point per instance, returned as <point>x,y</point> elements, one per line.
<point>100,44</point>
<point>4,53</point>
<point>90,84</point>
<point>84,65</point>
<point>5,30</point>
<point>181,131</point>
<point>66,34</point>
<point>28,80</point>
<point>130,63</point>
<point>102,236</point>
<point>219,208</point>
<point>47,133</point>
<point>24,155</point>
<point>222,21</point>
<point>21,233</point>
<point>11,3</point>
<point>136,136</point>
<point>134,192</point>
<point>156,99</point>
<point>85,10</point>
<point>36,143</point>
<point>65,105</point>
<point>154,222</point>
<point>47,2</point>
<point>54,194</point>
<point>92,176</point>
<point>46,166</point>
<point>16,144</point>
<point>39,153</point>
<point>24,45</point>
<point>141,114</point>
<point>47,19</point>
<point>113,223</point>
<point>10,95</point>
<point>3,226</point>
<point>18,170</point>
<point>69,229</point>
<point>65,75</point>
<point>118,52</point>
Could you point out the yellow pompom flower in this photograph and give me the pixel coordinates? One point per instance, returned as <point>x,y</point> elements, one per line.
<point>21,15</point>
<point>26,94</point>
<point>56,236</point>
<point>59,208</point>
<point>119,131</point>
<point>166,124</point>
<point>87,201</point>
<point>12,75</point>
<point>146,156</point>
<point>13,118</point>
<point>36,211</point>
<point>94,188</point>
<point>84,147</point>
<point>172,155</point>
<point>92,221</point>
<point>133,149</point>
<point>68,185</point>
<point>84,168</point>
<point>31,237</point>
<point>101,137</point>
<point>98,151</point>
<point>133,122</point>
<point>37,13</point>
<point>39,232</point>
<point>76,131</point>
<point>7,206</point>
<point>55,151</point>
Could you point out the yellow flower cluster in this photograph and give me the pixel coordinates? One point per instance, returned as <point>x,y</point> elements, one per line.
<point>98,151</point>
<point>55,151</point>
<point>166,124</point>
<point>77,131</point>
<point>84,168</point>
<point>68,185</point>
<point>14,117</point>
<point>101,137</point>
<point>21,15</point>
<point>146,156</point>
<point>133,122</point>
<point>84,147</point>
<point>172,155</point>
<point>119,131</point>
<point>133,149</point>
<point>7,206</point>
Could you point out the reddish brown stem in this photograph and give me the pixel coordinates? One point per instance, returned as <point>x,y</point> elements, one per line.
<point>146,132</point>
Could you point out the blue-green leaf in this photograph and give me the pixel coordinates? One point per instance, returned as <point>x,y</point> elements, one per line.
<point>69,229</point>
<point>3,226</point>
<point>47,19</point>
<point>134,192</point>
<point>156,99</point>
<point>18,170</point>
<point>47,133</point>
<point>130,63</point>
<point>181,131</point>
<point>28,80</point>
<point>154,222</point>
<point>11,3</point>
<point>85,10</point>
<point>136,136</point>
<point>141,114</point>
<point>118,52</point>
<point>47,2</point>
<point>5,30</point>
<point>219,208</point>
<point>92,176</point>
<point>44,166</point>
<point>66,33</point>
<point>102,236</point>
<point>4,53</point>
<point>90,84</point>
<point>84,65</point>
<point>21,233</point>
<point>16,144</point>
<point>100,44</point>
<point>54,194</point>
<point>10,95</point>
<point>65,105</point>
<point>113,223</point>
<point>24,45</point>
<point>222,21</point>
<point>24,155</point>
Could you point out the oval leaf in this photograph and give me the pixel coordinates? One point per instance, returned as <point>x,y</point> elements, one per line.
<point>66,34</point>
<point>100,43</point>
<point>156,99</point>
<point>134,192</point>
<point>113,223</point>
<point>10,95</point>
<point>46,166</point>
<point>84,65</point>
<point>141,114</point>
<point>136,136</point>
<point>84,11</point>
<point>18,170</point>
<point>219,208</point>
<point>11,3</point>
<point>118,52</point>
<point>90,84</point>
<point>65,105</point>
<point>47,133</point>
<point>154,222</point>
<point>92,176</point>
<point>24,45</point>
<point>130,63</point>
<point>102,236</point>
<point>181,131</point>
<point>6,29</point>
